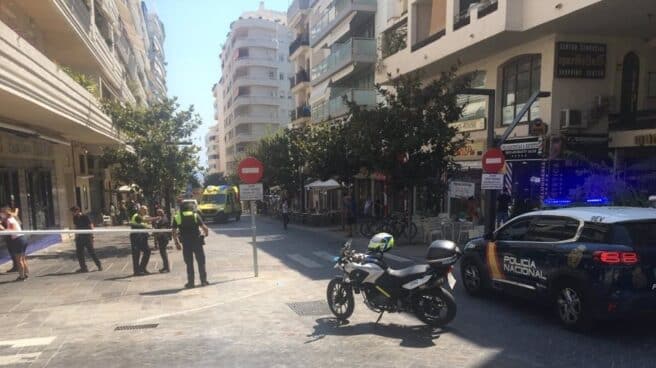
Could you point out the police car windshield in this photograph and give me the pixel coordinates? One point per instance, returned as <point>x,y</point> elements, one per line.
<point>214,198</point>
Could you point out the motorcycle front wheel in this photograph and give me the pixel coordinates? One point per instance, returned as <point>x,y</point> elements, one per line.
<point>340,298</point>
<point>435,308</point>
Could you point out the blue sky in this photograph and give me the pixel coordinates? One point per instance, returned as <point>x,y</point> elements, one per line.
<point>195,31</point>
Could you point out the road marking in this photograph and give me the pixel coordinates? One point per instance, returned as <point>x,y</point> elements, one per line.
<point>397,258</point>
<point>26,358</point>
<point>23,343</point>
<point>304,261</point>
<point>325,255</point>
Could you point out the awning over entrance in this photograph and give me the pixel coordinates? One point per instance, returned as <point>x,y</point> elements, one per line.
<point>324,185</point>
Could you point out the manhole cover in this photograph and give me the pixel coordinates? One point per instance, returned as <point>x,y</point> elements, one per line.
<point>136,327</point>
<point>313,308</point>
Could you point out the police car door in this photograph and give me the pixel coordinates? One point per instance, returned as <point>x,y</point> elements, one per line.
<point>540,255</point>
<point>504,255</point>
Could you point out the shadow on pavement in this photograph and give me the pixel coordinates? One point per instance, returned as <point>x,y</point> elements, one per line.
<point>162,292</point>
<point>411,336</point>
<point>62,274</point>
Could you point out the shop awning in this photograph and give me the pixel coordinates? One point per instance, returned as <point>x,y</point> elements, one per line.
<point>323,185</point>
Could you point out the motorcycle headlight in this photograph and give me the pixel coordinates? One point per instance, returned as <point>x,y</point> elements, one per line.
<point>336,259</point>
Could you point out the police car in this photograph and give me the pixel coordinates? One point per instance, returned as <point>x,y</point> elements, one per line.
<point>589,262</point>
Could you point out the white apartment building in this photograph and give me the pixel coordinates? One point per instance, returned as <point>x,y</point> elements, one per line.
<point>597,58</point>
<point>253,97</point>
<point>52,128</point>
<point>299,54</point>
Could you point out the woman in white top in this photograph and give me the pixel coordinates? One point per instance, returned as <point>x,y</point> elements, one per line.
<point>16,243</point>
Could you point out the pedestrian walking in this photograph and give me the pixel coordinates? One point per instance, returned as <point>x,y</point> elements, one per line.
<point>162,239</point>
<point>503,202</point>
<point>139,242</point>
<point>187,225</point>
<point>285,213</point>
<point>17,244</point>
<point>82,221</point>
<point>367,208</point>
<point>351,214</point>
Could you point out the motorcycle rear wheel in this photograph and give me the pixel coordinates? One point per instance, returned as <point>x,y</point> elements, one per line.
<point>340,298</point>
<point>435,308</point>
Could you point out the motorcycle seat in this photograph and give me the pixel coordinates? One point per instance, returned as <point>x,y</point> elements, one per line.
<point>409,272</point>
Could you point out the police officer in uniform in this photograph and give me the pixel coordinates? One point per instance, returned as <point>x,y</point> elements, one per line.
<point>139,242</point>
<point>186,229</point>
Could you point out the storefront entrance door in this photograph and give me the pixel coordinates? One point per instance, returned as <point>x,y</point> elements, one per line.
<point>39,195</point>
<point>9,190</point>
<point>630,78</point>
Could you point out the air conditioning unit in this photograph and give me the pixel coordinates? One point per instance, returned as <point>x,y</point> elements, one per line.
<point>571,119</point>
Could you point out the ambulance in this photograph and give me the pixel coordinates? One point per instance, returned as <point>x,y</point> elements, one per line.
<point>219,203</point>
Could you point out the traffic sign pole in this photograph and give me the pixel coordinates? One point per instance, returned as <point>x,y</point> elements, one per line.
<point>250,171</point>
<point>253,229</point>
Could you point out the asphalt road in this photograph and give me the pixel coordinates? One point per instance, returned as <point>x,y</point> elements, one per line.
<point>61,319</point>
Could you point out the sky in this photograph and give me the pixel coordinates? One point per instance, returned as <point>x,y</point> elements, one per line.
<point>195,31</point>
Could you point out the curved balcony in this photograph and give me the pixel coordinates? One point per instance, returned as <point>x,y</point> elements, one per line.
<point>41,94</point>
<point>263,42</point>
<point>246,61</point>
<point>256,100</point>
<point>252,23</point>
<point>255,80</point>
<point>256,119</point>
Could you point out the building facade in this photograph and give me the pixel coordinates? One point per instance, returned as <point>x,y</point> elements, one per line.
<point>252,98</point>
<point>58,59</point>
<point>597,59</point>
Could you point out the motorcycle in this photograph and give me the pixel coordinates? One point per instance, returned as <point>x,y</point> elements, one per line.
<point>420,289</point>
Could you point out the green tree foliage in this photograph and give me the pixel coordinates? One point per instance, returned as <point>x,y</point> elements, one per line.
<point>283,156</point>
<point>156,161</point>
<point>215,179</point>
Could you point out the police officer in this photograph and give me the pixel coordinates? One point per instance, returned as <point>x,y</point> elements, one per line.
<point>139,242</point>
<point>186,229</point>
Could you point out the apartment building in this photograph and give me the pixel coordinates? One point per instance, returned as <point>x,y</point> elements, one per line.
<point>596,58</point>
<point>299,54</point>
<point>252,98</point>
<point>156,55</point>
<point>342,56</point>
<point>58,58</point>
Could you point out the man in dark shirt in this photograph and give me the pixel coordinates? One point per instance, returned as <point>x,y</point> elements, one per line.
<point>503,202</point>
<point>82,241</point>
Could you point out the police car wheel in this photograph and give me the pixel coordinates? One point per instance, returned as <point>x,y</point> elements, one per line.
<point>472,277</point>
<point>571,306</point>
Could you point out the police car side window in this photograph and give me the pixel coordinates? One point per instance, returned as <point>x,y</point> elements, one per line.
<point>515,231</point>
<point>552,229</point>
<point>595,233</point>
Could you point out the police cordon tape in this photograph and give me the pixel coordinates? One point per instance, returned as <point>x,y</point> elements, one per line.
<point>81,231</point>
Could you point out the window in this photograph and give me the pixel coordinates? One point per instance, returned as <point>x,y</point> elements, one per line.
<point>521,78</point>
<point>282,76</point>
<point>475,106</point>
<point>651,85</point>
<point>639,234</point>
<point>83,166</point>
<point>90,162</point>
<point>552,229</point>
<point>272,75</point>
<point>595,233</point>
<point>515,231</point>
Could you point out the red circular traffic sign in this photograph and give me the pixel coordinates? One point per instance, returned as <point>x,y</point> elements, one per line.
<point>250,170</point>
<point>493,161</point>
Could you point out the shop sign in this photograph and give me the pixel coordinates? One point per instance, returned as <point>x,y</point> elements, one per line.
<point>527,148</point>
<point>461,189</point>
<point>645,140</point>
<point>468,125</point>
<point>632,138</point>
<point>24,148</point>
<point>492,181</point>
<point>580,60</point>
<point>471,150</point>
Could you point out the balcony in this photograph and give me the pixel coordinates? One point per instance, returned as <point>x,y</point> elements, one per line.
<point>644,119</point>
<point>256,100</point>
<point>301,112</point>
<point>323,23</point>
<point>360,50</point>
<point>336,107</point>
<point>395,39</point>
<point>296,7</point>
<point>302,40</point>
<point>245,61</point>
<point>256,119</point>
<point>300,77</point>
<point>44,96</point>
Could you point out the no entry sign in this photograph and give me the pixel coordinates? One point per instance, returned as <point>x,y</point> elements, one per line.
<point>493,161</point>
<point>250,170</point>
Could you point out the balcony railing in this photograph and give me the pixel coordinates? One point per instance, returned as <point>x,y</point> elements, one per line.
<point>336,106</point>
<point>302,40</point>
<point>395,39</point>
<point>81,12</point>
<point>296,7</point>
<point>354,50</point>
<point>301,76</point>
<point>323,23</point>
<point>301,112</point>
<point>428,40</point>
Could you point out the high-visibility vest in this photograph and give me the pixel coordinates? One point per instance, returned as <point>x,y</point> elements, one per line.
<point>187,223</point>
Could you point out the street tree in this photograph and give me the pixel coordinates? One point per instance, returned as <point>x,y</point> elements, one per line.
<point>156,157</point>
<point>215,179</point>
<point>283,156</point>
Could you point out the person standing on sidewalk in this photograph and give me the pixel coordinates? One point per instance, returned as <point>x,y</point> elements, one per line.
<point>16,243</point>
<point>162,239</point>
<point>186,229</point>
<point>82,221</point>
<point>285,213</point>
<point>503,202</point>
<point>139,242</point>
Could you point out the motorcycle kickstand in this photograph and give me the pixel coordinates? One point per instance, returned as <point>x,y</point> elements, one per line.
<point>379,317</point>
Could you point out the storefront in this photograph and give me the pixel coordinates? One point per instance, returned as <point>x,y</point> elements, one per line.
<point>32,177</point>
